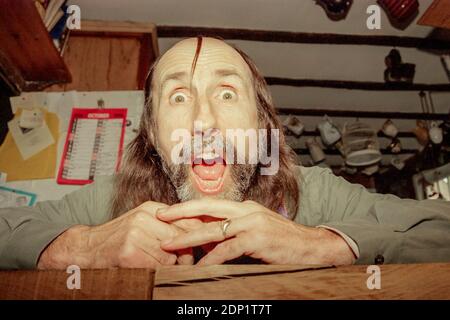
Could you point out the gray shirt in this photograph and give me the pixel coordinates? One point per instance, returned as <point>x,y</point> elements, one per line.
<point>397,230</point>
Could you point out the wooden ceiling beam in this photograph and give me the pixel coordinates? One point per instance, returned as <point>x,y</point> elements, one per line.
<point>358,85</point>
<point>302,37</point>
<point>363,114</point>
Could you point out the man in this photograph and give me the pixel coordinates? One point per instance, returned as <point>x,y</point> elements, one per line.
<point>213,209</point>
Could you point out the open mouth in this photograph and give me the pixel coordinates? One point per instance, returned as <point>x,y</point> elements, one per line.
<point>208,172</point>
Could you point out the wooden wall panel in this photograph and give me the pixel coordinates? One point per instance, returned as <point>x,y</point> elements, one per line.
<point>109,56</point>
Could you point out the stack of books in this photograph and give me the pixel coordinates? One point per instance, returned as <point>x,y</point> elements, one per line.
<point>54,14</point>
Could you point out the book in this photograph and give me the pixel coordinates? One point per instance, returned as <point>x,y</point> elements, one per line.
<point>58,29</point>
<point>53,9</point>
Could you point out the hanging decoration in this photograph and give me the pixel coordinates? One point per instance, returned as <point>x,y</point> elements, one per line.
<point>401,13</point>
<point>396,70</point>
<point>328,131</point>
<point>361,146</point>
<point>294,125</point>
<point>335,9</point>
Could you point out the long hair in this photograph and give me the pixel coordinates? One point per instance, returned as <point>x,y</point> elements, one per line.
<point>142,177</point>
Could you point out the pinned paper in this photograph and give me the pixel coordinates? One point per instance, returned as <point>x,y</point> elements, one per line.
<point>30,141</point>
<point>15,198</point>
<point>31,118</point>
<point>3,176</point>
<point>40,166</point>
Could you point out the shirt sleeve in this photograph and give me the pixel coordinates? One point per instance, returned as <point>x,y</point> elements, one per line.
<point>385,228</point>
<point>352,244</point>
<point>26,231</point>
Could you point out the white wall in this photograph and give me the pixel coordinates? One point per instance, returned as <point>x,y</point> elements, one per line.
<point>359,63</point>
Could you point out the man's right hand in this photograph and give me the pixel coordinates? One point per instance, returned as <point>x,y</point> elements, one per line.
<point>129,241</point>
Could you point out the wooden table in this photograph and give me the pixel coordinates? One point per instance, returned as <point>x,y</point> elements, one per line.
<point>409,281</point>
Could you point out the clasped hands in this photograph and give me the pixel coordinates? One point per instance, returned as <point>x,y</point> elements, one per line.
<point>155,234</point>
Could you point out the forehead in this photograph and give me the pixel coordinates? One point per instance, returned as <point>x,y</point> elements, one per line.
<point>214,55</point>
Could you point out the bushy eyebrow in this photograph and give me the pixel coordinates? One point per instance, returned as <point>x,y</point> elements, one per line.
<point>183,75</point>
<point>228,73</point>
<point>176,76</point>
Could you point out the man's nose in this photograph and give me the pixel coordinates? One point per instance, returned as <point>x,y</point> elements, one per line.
<point>204,113</point>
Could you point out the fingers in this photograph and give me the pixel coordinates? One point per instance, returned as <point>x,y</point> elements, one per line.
<point>209,232</point>
<point>139,259</point>
<point>142,251</point>
<point>225,251</point>
<point>152,247</point>
<point>151,207</point>
<point>152,226</point>
<point>185,257</point>
<point>215,208</point>
<point>188,224</point>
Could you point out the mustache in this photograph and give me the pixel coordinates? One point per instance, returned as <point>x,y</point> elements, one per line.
<point>241,179</point>
<point>217,147</point>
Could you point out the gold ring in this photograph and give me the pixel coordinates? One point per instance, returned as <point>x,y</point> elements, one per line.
<point>224,224</point>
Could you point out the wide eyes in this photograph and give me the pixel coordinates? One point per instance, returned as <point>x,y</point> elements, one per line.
<point>224,95</point>
<point>227,95</point>
<point>178,98</point>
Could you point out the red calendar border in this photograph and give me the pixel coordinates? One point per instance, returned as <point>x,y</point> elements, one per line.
<point>86,113</point>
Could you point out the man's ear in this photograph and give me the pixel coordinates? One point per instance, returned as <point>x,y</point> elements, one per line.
<point>151,135</point>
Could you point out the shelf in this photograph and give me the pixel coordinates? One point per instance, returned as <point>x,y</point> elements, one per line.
<point>27,47</point>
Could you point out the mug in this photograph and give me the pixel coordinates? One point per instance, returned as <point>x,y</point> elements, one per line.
<point>315,150</point>
<point>435,133</point>
<point>421,132</point>
<point>294,124</point>
<point>389,129</point>
<point>328,132</point>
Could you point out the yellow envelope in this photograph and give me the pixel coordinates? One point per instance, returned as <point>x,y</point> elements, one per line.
<point>40,166</point>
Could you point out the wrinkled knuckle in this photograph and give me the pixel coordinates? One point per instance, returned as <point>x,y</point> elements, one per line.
<point>140,217</point>
<point>133,233</point>
<point>258,237</point>
<point>173,232</point>
<point>126,256</point>
<point>224,246</point>
<point>252,204</point>
<point>147,205</point>
<point>260,217</point>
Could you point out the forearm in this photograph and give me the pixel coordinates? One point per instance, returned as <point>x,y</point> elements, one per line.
<point>23,236</point>
<point>70,247</point>
<point>332,249</point>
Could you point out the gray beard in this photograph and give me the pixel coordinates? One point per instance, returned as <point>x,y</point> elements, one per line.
<point>241,176</point>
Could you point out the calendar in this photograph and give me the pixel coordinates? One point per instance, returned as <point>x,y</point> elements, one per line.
<point>93,146</point>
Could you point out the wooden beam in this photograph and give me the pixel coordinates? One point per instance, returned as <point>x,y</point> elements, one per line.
<point>305,151</point>
<point>357,85</point>
<point>364,114</point>
<point>315,133</point>
<point>301,37</point>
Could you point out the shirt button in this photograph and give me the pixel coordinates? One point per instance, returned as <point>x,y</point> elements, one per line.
<point>379,259</point>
